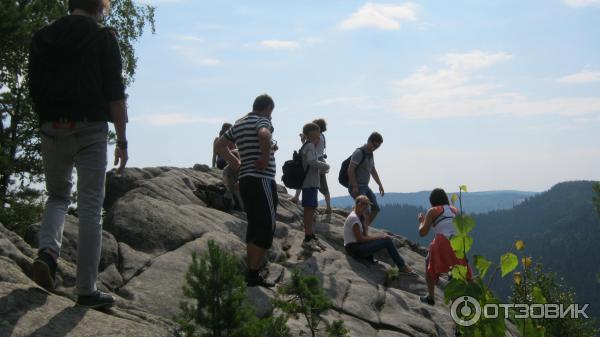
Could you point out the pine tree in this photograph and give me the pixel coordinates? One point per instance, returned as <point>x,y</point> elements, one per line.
<point>304,295</point>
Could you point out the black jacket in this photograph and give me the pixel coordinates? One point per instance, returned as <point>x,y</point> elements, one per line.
<point>75,70</point>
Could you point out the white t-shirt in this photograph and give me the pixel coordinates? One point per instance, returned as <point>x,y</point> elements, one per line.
<point>348,232</point>
<point>321,147</point>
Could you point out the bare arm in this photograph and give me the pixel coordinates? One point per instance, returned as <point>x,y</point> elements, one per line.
<point>118,113</point>
<point>311,160</point>
<point>375,176</point>
<point>214,156</point>
<point>352,178</point>
<point>222,147</point>
<point>425,222</point>
<point>264,140</point>
<point>363,238</point>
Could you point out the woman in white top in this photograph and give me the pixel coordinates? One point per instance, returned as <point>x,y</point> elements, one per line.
<point>441,257</point>
<point>360,244</point>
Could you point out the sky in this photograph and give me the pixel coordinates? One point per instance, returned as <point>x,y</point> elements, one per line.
<point>496,95</point>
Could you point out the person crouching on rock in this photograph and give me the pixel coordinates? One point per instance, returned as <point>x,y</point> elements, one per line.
<point>359,244</point>
<point>441,258</point>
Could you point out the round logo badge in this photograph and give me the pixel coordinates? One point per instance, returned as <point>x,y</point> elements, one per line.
<point>465,311</point>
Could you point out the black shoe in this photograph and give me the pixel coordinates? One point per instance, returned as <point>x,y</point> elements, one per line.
<point>258,281</point>
<point>427,300</point>
<point>96,300</point>
<point>44,271</point>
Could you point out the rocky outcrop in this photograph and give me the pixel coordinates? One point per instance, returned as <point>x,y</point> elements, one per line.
<point>156,218</point>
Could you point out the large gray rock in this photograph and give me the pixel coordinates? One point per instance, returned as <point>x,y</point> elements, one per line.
<point>110,247</point>
<point>158,217</point>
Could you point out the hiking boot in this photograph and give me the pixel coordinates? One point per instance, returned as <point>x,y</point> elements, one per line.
<point>311,245</point>
<point>427,300</point>
<point>97,300</point>
<point>44,270</point>
<point>258,281</point>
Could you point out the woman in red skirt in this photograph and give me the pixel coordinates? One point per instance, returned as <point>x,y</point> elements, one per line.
<point>441,258</point>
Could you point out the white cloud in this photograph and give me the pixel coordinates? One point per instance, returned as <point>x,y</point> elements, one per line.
<point>476,59</point>
<point>190,38</point>
<point>194,55</point>
<point>381,16</point>
<point>280,44</point>
<point>456,90</point>
<point>170,119</point>
<point>582,3</point>
<point>581,77</point>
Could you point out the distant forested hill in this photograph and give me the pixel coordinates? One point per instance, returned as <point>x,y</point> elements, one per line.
<point>477,202</point>
<point>560,228</point>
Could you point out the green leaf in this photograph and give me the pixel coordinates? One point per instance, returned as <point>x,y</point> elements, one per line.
<point>461,245</point>
<point>463,188</point>
<point>538,296</point>
<point>463,224</point>
<point>528,328</point>
<point>598,277</point>
<point>482,265</point>
<point>459,272</point>
<point>508,263</point>
<point>453,199</point>
<point>519,244</point>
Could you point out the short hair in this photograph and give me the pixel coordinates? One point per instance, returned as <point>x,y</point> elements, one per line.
<point>438,197</point>
<point>321,123</point>
<point>308,127</point>
<point>224,128</point>
<point>263,102</point>
<point>375,137</point>
<point>89,6</point>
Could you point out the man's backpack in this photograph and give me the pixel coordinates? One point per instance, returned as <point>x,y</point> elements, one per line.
<point>343,175</point>
<point>293,170</point>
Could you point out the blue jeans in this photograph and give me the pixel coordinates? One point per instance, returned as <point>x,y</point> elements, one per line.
<point>366,249</point>
<point>82,147</point>
<point>366,191</point>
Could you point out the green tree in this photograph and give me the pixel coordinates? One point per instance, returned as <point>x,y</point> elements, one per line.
<point>218,293</point>
<point>304,295</point>
<point>596,199</point>
<point>534,286</point>
<point>217,303</point>
<point>20,157</point>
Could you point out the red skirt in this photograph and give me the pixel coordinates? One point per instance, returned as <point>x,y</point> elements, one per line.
<point>442,258</point>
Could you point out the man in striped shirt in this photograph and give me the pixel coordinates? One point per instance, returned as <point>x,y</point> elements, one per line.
<point>252,136</point>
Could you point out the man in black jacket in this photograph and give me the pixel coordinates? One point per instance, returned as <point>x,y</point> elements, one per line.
<point>77,87</point>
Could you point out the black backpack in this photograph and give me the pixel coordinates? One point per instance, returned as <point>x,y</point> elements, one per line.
<point>343,175</point>
<point>293,170</point>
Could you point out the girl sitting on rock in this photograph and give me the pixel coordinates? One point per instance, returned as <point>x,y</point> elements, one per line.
<point>441,258</point>
<point>359,244</point>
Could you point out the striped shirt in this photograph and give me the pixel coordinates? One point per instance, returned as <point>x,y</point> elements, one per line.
<point>244,133</point>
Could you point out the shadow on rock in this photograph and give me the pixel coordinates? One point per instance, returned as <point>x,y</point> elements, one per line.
<point>17,304</point>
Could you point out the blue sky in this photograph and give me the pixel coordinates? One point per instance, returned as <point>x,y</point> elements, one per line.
<point>494,94</point>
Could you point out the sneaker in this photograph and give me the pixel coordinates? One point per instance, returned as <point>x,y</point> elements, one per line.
<point>410,273</point>
<point>97,300</point>
<point>427,300</point>
<point>44,271</point>
<point>310,245</point>
<point>258,281</point>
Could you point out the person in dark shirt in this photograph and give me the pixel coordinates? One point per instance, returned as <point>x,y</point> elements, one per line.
<point>77,87</point>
